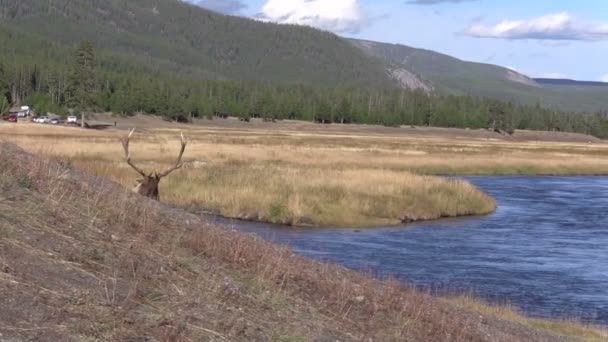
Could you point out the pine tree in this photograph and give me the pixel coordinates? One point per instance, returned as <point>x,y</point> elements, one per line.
<point>323,112</point>
<point>344,111</point>
<point>501,117</point>
<point>81,88</point>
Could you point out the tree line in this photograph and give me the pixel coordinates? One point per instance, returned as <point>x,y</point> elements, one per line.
<point>80,87</point>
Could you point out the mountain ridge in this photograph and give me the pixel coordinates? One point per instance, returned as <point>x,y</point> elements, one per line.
<point>572,82</point>
<point>454,76</point>
<point>411,53</point>
<point>183,40</point>
<point>211,44</point>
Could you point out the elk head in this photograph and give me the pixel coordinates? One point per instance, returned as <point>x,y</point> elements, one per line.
<point>148,186</point>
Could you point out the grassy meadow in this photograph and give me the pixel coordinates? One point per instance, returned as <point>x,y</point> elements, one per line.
<point>289,175</point>
<point>304,174</point>
<point>285,178</point>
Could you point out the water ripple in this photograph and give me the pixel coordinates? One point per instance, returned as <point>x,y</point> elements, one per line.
<point>545,250</point>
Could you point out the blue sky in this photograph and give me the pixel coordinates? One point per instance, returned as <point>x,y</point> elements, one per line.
<point>541,38</point>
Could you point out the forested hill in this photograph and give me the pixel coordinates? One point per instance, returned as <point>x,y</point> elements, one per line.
<point>174,38</point>
<point>171,35</point>
<point>446,72</point>
<point>170,58</point>
<point>450,75</point>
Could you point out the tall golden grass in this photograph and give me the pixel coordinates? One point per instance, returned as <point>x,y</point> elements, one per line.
<point>315,178</point>
<point>324,196</point>
<point>268,182</point>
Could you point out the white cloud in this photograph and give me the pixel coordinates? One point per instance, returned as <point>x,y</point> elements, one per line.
<point>332,15</point>
<point>559,26</point>
<point>604,78</point>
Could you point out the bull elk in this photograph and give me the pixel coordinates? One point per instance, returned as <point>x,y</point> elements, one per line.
<point>148,186</point>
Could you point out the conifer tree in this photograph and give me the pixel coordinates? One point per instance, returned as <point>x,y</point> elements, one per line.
<point>81,88</point>
<point>344,111</point>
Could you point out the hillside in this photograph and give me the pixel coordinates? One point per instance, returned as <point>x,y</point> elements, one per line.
<point>454,76</point>
<point>81,258</point>
<point>567,82</point>
<point>173,36</point>
<point>170,38</point>
<point>594,90</point>
<point>442,69</point>
<point>170,58</point>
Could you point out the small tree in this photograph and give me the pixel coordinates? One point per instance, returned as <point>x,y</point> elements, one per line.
<point>323,113</point>
<point>81,86</point>
<point>500,117</point>
<point>344,111</point>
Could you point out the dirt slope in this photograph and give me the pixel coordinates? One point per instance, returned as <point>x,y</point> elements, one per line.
<point>81,259</point>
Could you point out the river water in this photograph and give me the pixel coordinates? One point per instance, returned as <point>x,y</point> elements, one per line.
<point>545,250</point>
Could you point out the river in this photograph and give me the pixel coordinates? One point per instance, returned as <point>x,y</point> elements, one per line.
<point>545,250</point>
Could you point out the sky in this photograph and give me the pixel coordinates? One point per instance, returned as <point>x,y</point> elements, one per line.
<point>540,38</point>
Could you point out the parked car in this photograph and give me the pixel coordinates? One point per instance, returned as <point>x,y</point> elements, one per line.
<point>57,121</point>
<point>72,119</point>
<point>11,118</point>
<point>43,119</point>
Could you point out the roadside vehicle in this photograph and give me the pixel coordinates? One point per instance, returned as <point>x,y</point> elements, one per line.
<point>72,119</point>
<point>11,118</point>
<point>57,121</point>
<point>43,119</point>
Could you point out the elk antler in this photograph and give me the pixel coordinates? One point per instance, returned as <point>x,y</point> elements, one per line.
<point>125,145</point>
<point>178,163</point>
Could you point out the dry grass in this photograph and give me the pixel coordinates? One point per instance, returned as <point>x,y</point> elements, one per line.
<point>323,196</point>
<point>82,259</point>
<point>565,328</point>
<point>301,181</point>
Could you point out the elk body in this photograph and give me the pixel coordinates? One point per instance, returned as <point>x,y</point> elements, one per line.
<point>148,186</point>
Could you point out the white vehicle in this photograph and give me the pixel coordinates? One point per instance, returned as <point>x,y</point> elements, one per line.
<point>72,119</point>
<point>43,119</point>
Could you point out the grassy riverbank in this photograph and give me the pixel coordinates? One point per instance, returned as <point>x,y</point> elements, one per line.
<point>83,259</point>
<point>324,196</point>
<point>571,328</point>
<point>286,194</point>
<point>301,173</point>
<point>239,176</point>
